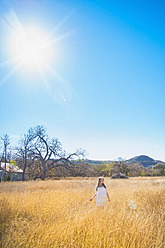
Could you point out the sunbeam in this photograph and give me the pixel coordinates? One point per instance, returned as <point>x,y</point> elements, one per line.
<point>9,75</point>
<point>9,62</point>
<point>57,87</point>
<point>54,30</point>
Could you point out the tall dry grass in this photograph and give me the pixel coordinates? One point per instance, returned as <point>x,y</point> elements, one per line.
<point>59,214</point>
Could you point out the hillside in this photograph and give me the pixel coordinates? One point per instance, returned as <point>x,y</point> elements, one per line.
<point>143,160</point>
<point>136,166</point>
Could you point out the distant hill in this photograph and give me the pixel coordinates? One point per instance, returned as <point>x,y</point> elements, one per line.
<point>143,160</point>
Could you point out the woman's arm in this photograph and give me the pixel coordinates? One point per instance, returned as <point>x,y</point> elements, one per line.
<point>93,197</point>
<point>108,197</point>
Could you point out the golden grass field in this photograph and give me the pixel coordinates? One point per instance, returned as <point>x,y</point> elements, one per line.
<point>59,214</point>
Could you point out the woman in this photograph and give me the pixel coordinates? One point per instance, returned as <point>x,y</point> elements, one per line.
<point>101,193</point>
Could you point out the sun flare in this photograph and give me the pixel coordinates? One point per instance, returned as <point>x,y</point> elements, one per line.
<point>32,53</point>
<point>29,47</point>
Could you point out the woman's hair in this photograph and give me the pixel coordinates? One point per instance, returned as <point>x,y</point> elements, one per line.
<point>98,185</point>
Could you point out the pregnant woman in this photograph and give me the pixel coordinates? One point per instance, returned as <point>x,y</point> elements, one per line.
<point>101,193</point>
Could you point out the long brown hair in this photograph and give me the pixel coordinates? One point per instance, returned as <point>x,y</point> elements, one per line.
<point>98,185</point>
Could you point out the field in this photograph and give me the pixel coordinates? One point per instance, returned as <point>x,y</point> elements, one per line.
<point>59,214</point>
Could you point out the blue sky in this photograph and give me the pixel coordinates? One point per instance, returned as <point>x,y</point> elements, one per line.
<point>105,90</point>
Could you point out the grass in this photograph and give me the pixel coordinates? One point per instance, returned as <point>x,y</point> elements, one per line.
<point>59,214</point>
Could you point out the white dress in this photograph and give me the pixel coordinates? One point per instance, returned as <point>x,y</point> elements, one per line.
<point>101,196</point>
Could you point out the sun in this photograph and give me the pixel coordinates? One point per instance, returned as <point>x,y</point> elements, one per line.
<point>31,54</point>
<point>30,48</point>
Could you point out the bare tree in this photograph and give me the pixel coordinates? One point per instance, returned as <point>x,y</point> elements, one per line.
<point>47,152</point>
<point>6,142</point>
<point>23,152</point>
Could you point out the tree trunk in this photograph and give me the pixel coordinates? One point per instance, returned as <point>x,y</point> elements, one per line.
<point>5,161</point>
<point>23,175</point>
<point>24,168</point>
<point>43,176</point>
